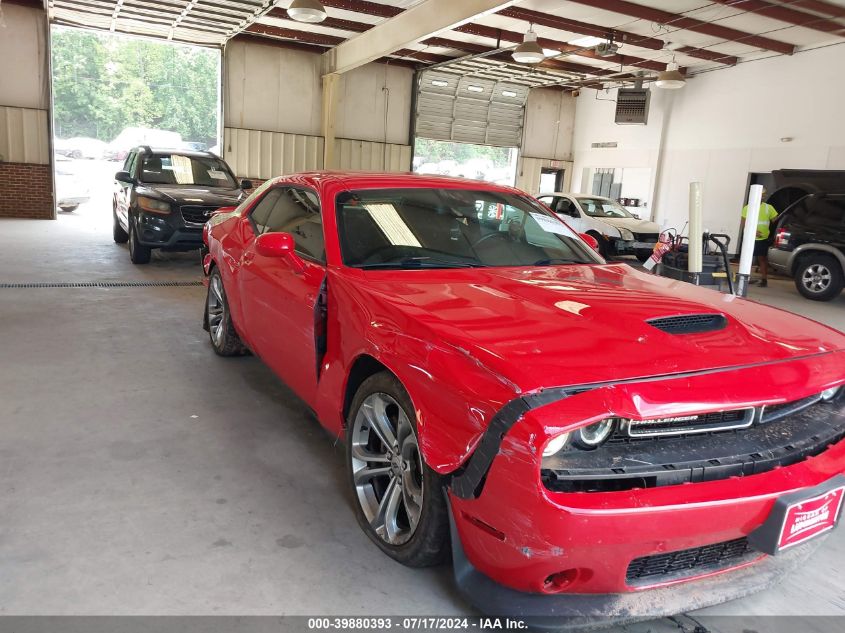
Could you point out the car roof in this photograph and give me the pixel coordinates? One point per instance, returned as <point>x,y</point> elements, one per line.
<point>386,180</point>
<point>177,150</point>
<point>577,196</point>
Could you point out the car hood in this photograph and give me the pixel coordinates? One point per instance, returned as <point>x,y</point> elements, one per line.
<point>222,196</point>
<point>570,325</point>
<point>632,224</point>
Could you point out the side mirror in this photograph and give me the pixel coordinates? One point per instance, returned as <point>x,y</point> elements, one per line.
<point>246,184</point>
<point>124,176</point>
<point>280,245</point>
<point>590,240</point>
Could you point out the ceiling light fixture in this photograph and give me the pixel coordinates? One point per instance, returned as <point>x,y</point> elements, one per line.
<point>311,11</point>
<point>529,52</point>
<point>671,78</point>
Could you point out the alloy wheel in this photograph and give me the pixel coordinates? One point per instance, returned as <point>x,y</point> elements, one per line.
<point>387,468</point>
<point>216,309</point>
<point>816,278</point>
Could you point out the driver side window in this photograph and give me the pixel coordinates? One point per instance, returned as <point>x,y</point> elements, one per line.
<point>262,210</point>
<point>566,207</point>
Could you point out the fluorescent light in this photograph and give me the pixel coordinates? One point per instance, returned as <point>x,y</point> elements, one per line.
<point>587,42</point>
<point>671,78</point>
<point>311,11</point>
<point>474,88</point>
<point>508,93</point>
<point>439,83</point>
<point>548,52</point>
<point>529,52</point>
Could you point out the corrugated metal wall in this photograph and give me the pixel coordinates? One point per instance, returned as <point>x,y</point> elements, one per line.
<point>372,156</point>
<point>262,154</point>
<point>24,135</point>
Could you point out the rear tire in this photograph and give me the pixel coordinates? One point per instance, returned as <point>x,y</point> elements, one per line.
<point>819,277</point>
<point>398,499</point>
<point>224,339</point>
<point>643,255</point>
<point>138,253</point>
<point>603,245</point>
<point>120,236</point>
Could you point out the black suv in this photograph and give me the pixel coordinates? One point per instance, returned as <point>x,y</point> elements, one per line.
<point>163,197</point>
<point>809,245</point>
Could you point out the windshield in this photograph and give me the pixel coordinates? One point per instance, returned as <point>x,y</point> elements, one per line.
<point>177,169</point>
<point>451,228</point>
<point>602,208</point>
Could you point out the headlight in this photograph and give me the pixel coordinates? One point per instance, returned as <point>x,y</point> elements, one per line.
<point>555,444</point>
<point>829,394</point>
<point>592,436</point>
<point>626,235</point>
<point>151,205</point>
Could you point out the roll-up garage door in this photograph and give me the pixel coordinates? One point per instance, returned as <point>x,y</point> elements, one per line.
<point>470,109</point>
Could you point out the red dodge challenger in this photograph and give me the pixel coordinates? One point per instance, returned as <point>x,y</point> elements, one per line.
<point>587,440</point>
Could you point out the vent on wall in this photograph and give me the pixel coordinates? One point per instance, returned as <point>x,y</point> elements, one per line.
<point>632,106</point>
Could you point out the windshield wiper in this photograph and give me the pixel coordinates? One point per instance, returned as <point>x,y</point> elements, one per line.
<point>556,260</point>
<point>422,262</point>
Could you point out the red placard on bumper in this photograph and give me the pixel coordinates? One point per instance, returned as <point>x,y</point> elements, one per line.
<point>800,516</point>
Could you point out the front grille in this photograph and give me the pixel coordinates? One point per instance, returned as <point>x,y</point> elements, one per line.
<point>650,570</point>
<point>689,323</point>
<point>785,436</point>
<point>197,214</point>
<point>683,425</point>
<point>646,237</point>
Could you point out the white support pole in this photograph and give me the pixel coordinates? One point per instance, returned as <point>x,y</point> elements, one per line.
<point>746,258</point>
<point>695,232</point>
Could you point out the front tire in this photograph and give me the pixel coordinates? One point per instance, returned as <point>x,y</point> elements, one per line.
<point>399,501</point>
<point>819,277</point>
<point>120,236</point>
<point>138,253</point>
<point>224,339</point>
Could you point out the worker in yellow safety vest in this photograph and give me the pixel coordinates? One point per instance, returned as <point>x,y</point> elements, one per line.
<point>761,241</point>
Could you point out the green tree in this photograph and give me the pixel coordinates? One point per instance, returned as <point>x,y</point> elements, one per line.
<point>103,83</point>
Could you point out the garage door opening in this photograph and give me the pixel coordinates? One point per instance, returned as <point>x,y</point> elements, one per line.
<point>479,162</point>
<point>113,92</point>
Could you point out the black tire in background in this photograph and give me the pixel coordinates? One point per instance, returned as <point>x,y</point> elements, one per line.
<point>138,253</point>
<point>420,543</point>
<point>819,276</point>
<point>643,255</point>
<point>224,339</point>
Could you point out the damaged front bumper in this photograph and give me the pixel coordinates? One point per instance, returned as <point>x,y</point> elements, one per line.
<point>646,548</point>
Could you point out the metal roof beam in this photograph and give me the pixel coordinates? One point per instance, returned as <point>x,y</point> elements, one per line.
<point>412,25</point>
<point>690,24</point>
<point>490,32</point>
<point>785,14</point>
<point>825,8</point>
<point>583,28</point>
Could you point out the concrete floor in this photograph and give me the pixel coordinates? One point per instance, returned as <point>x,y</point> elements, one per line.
<point>142,474</point>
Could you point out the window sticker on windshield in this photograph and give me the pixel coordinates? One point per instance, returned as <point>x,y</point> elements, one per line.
<point>552,225</point>
<point>216,174</point>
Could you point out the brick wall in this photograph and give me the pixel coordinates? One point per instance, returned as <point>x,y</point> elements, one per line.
<point>26,191</point>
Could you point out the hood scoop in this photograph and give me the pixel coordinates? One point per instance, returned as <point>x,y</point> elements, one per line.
<point>690,323</point>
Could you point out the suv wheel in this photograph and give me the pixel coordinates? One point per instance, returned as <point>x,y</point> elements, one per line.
<point>819,277</point>
<point>399,500</point>
<point>224,338</point>
<point>138,253</point>
<point>120,236</point>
